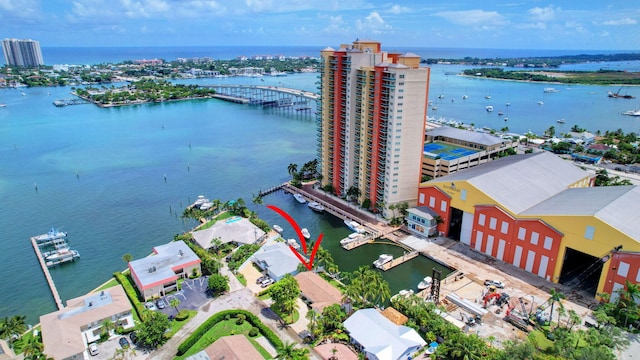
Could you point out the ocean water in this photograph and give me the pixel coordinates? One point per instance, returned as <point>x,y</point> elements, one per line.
<point>117,179</point>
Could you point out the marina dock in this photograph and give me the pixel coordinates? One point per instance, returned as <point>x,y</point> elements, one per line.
<point>367,239</point>
<point>47,275</point>
<point>399,260</point>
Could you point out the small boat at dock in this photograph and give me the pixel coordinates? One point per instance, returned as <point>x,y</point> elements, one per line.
<point>351,238</point>
<point>293,243</point>
<point>425,283</point>
<point>632,112</point>
<point>315,206</point>
<point>277,228</point>
<point>199,201</point>
<point>560,121</point>
<point>299,198</point>
<point>354,226</point>
<point>53,234</point>
<point>305,233</point>
<point>382,259</point>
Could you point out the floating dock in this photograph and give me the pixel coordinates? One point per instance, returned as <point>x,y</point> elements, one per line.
<point>367,239</point>
<point>47,275</point>
<point>399,260</point>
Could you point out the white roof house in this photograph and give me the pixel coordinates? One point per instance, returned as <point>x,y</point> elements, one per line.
<point>157,274</point>
<point>277,259</point>
<point>236,229</point>
<point>380,338</point>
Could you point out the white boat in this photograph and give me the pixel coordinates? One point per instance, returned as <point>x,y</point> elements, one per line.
<point>206,206</point>
<point>508,104</point>
<point>465,97</point>
<point>500,113</point>
<point>53,234</point>
<point>551,90</point>
<point>201,200</point>
<point>3,105</point>
<point>354,226</point>
<point>293,243</point>
<point>487,97</point>
<point>434,108</point>
<point>300,198</point>
<point>425,283</point>
<point>61,255</point>
<point>402,293</point>
<point>540,103</point>
<point>489,108</point>
<point>382,259</point>
<point>351,238</point>
<point>315,206</point>
<point>632,112</point>
<point>305,233</point>
<point>277,228</point>
<point>560,121</point>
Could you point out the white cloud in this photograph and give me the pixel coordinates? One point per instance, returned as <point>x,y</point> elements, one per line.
<point>397,9</point>
<point>534,25</point>
<point>625,21</point>
<point>543,14</point>
<point>20,9</point>
<point>336,25</point>
<point>478,18</point>
<point>373,24</point>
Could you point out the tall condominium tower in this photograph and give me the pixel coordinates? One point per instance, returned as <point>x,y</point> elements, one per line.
<point>371,123</point>
<point>22,53</point>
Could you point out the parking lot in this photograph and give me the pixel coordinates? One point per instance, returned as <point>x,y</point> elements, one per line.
<point>107,350</point>
<point>192,296</point>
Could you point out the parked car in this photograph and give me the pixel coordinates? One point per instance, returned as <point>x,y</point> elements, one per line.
<point>497,283</point>
<point>261,279</point>
<point>133,337</point>
<point>93,349</point>
<point>266,282</point>
<point>124,343</point>
<point>150,306</point>
<point>161,304</point>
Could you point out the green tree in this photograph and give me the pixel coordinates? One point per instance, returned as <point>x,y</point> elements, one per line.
<point>257,200</point>
<point>218,284</point>
<point>284,293</point>
<point>556,297</point>
<point>174,303</point>
<point>287,351</point>
<point>127,258</point>
<point>107,327</point>
<point>332,318</point>
<point>353,193</point>
<point>151,332</point>
<point>293,170</point>
<point>31,347</point>
<point>12,326</point>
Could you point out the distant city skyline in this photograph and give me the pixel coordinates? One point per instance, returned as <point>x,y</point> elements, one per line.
<point>588,25</point>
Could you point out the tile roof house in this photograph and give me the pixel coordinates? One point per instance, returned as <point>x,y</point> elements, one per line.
<point>317,290</point>
<point>67,332</point>
<point>158,274</point>
<point>381,339</point>
<point>234,347</point>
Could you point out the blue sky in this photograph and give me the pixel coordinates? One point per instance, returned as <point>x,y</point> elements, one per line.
<point>502,24</point>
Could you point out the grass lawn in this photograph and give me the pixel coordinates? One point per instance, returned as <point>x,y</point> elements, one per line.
<point>541,340</point>
<point>288,319</point>
<point>224,215</point>
<point>223,328</point>
<point>242,279</point>
<point>177,325</point>
<point>111,283</point>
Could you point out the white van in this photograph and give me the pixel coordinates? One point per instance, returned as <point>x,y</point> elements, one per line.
<point>93,349</point>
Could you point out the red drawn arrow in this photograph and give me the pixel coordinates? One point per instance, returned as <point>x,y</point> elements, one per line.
<point>303,241</point>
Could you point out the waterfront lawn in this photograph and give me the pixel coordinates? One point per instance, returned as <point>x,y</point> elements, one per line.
<point>177,325</point>
<point>111,283</point>
<point>224,328</point>
<point>222,216</point>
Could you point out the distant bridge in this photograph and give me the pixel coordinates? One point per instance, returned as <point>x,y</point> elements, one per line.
<point>267,96</point>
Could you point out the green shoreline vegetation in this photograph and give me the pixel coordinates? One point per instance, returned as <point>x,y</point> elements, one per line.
<point>536,61</point>
<point>600,77</point>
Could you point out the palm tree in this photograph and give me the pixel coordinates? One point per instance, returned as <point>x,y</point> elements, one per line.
<point>107,326</point>
<point>287,351</point>
<point>353,192</point>
<point>293,169</point>
<point>32,347</point>
<point>12,326</point>
<point>175,303</point>
<point>313,318</point>
<point>127,258</point>
<point>556,297</point>
<point>257,200</point>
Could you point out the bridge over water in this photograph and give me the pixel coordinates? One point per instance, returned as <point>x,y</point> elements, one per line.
<point>267,96</point>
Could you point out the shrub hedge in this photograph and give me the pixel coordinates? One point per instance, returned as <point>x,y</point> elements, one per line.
<point>132,294</point>
<point>216,318</point>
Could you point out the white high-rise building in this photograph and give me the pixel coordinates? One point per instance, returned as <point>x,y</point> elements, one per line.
<point>24,53</point>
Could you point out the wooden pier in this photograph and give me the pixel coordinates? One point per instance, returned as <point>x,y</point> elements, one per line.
<point>270,190</point>
<point>399,260</point>
<point>47,275</point>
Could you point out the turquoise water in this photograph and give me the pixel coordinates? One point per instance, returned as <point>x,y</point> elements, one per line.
<point>117,179</point>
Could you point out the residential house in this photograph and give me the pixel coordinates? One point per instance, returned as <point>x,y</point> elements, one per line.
<point>379,338</point>
<point>421,221</point>
<point>66,333</point>
<point>318,292</point>
<point>277,260</point>
<point>236,230</point>
<point>234,347</point>
<point>158,274</point>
